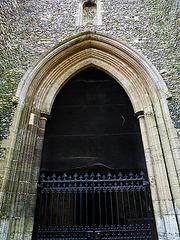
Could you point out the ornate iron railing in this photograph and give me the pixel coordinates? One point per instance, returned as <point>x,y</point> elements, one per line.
<point>94,207</point>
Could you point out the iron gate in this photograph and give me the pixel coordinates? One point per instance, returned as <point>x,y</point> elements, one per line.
<point>94,207</point>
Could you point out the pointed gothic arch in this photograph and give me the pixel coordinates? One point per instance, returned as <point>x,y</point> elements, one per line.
<point>35,96</point>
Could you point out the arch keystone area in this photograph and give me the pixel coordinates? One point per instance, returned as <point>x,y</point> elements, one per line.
<point>35,96</point>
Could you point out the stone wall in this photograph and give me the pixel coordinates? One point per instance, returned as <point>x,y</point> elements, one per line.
<point>31,27</point>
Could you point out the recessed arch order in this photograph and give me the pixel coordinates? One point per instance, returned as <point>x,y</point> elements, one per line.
<point>147,92</point>
<point>137,76</point>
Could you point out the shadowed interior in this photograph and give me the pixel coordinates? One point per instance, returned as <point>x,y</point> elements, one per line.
<point>92,123</point>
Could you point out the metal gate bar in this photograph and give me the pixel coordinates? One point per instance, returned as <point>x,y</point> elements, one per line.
<point>94,207</point>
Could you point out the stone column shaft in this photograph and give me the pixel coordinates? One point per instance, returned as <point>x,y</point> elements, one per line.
<point>161,196</point>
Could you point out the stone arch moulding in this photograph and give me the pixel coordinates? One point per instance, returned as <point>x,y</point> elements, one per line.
<point>36,93</point>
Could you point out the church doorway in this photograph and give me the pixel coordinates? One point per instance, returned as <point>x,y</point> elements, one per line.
<point>93,182</point>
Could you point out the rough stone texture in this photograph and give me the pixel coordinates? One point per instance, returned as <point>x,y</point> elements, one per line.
<point>30,28</point>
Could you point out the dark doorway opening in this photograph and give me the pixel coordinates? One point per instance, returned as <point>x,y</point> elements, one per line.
<point>92,122</point>
<point>93,131</point>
